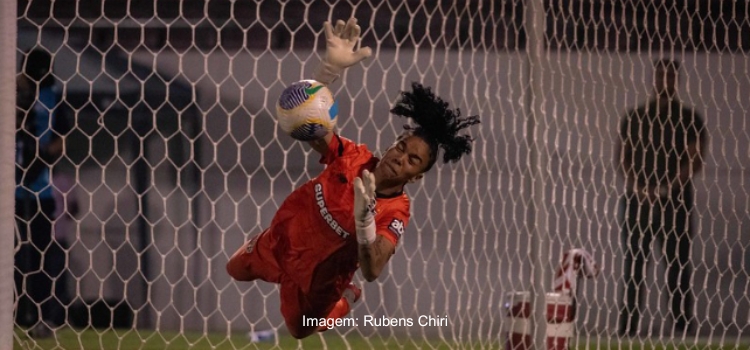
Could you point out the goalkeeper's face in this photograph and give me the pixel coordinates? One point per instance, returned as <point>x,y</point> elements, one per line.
<point>403,162</point>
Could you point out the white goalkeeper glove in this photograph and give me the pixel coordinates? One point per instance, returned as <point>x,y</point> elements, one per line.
<point>364,207</point>
<point>340,54</point>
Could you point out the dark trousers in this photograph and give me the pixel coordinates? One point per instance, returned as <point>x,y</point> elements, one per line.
<point>40,264</point>
<point>669,222</point>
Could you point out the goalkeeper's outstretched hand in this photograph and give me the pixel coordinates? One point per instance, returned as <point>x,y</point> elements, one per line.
<point>364,207</point>
<point>341,50</point>
<point>341,42</point>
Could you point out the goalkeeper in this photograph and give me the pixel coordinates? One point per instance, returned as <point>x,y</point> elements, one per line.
<point>353,214</point>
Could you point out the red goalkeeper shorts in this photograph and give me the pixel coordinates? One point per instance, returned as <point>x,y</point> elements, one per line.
<point>256,260</point>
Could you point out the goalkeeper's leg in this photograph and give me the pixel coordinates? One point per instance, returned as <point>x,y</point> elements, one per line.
<point>303,311</point>
<point>255,260</point>
<point>342,308</point>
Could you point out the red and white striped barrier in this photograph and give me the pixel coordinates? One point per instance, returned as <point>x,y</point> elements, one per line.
<point>575,263</point>
<point>560,305</point>
<point>560,315</point>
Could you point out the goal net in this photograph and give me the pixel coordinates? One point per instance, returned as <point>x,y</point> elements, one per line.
<point>172,159</point>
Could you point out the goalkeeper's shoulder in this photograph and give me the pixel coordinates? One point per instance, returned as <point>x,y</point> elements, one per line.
<point>334,146</point>
<point>396,206</point>
<point>322,144</point>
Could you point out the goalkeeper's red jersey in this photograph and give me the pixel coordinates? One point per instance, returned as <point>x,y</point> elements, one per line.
<point>313,231</point>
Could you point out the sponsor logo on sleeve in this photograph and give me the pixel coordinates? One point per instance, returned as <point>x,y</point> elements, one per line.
<point>397,227</point>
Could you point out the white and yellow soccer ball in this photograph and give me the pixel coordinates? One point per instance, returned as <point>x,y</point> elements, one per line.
<point>306,110</point>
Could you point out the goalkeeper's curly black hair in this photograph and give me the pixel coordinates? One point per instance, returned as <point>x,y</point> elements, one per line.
<point>435,123</point>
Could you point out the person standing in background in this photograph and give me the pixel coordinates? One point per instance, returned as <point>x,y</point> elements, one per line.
<point>662,147</point>
<point>64,228</point>
<point>39,126</point>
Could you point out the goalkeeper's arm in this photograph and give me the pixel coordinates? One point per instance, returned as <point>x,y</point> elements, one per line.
<point>374,250</point>
<point>373,257</point>
<point>341,53</point>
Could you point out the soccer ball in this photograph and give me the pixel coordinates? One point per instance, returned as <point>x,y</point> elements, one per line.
<point>306,110</point>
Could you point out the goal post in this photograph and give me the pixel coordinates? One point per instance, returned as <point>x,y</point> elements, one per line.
<point>7,157</point>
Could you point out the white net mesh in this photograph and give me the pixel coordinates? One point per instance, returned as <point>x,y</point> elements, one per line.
<point>173,159</point>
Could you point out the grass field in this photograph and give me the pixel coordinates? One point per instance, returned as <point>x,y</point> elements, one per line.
<point>69,339</point>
